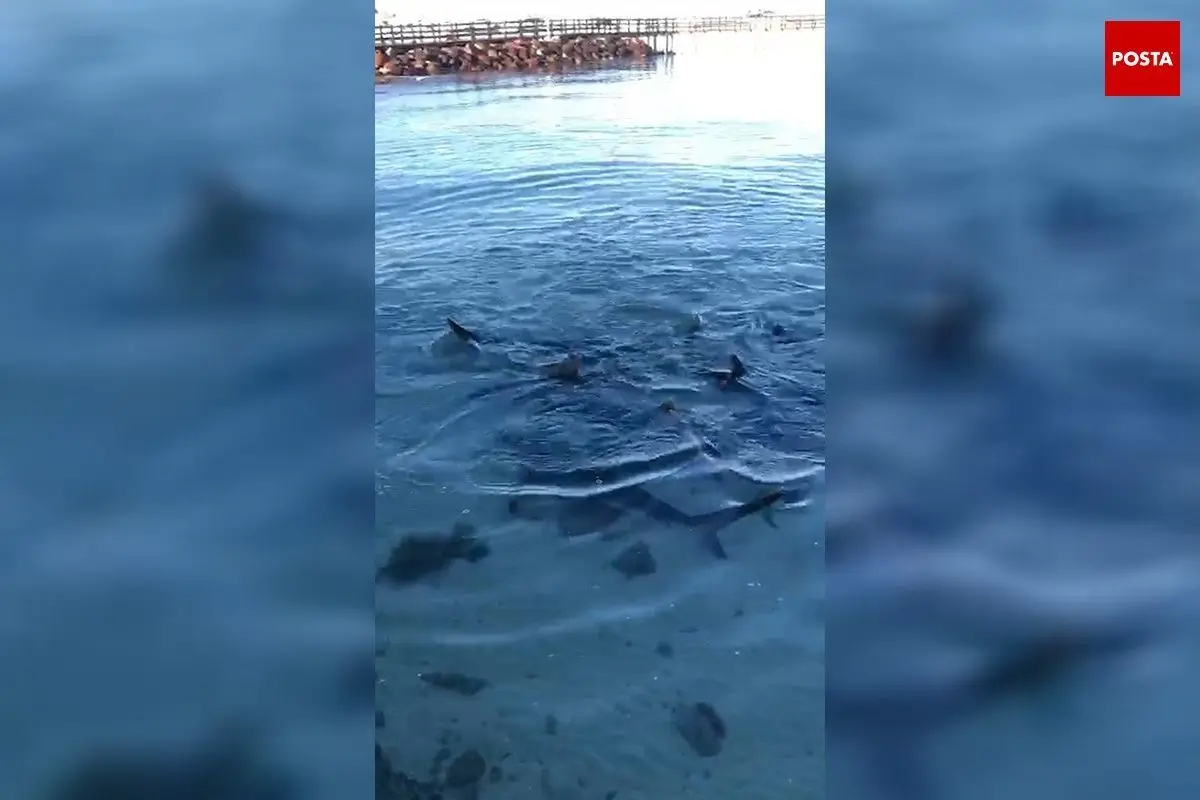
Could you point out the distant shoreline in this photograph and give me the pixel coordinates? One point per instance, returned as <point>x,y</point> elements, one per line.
<point>539,44</point>
<point>400,18</point>
<point>524,54</point>
<point>403,13</point>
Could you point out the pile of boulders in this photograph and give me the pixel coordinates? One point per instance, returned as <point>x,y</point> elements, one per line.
<point>517,54</point>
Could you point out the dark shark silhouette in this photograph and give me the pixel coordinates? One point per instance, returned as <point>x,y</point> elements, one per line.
<point>618,488</point>
<point>579,516</point>
<point>891,727</point>
<point>464,333</point>
<point>622,489</point>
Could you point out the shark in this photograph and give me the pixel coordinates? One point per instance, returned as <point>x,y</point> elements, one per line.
<point>591,498</point>
<point>891,727</point>
<point>580,516</point>
<point>1030,637</point>
<point>618,489</point>
<point>600,495</point>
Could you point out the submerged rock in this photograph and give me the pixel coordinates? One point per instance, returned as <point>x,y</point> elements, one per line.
<point>392,784</point>
<point>420,555</point>
<point>635,560</point>
<point>469,768</point>
<point>456,682</point>
<point>701,727</point>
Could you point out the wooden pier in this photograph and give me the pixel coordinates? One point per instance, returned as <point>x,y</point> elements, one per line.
<point>658,32</point>
<point>765,22</point>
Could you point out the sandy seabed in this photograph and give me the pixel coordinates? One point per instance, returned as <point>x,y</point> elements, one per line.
<point>584,665</point>
<point>555,631</point>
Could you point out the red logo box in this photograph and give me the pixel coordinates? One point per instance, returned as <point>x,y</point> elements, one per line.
<point>1141,58</point>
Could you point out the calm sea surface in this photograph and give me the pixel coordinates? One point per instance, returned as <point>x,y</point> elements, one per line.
<point>597,212</point>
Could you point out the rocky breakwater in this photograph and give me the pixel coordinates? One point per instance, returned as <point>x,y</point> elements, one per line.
<point>514,55</point>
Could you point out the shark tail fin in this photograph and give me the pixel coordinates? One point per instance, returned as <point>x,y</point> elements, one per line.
<point>711,524</point>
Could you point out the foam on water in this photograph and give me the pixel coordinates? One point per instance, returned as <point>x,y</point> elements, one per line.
<point>594,212</point>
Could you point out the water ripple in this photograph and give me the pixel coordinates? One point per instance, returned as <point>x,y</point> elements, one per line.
<point>597,213</point>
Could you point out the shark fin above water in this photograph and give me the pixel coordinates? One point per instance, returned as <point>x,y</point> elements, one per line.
<point>462,332</point>
<point>736,368</point>
<point>568,369</point>
<point>730,380</point>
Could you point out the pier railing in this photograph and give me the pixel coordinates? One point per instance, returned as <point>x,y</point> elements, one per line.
<point>766,22</point>
<point>412,35</point>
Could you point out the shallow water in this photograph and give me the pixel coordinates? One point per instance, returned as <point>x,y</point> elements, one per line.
<point>595,212</point>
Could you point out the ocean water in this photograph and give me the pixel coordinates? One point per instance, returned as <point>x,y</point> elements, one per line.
<point>596,212</point>
<point>184,495</point>
<point>1045,489</point>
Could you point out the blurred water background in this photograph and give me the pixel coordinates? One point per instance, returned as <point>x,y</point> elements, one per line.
<point>960,136</point>
<point>185,415</point>
<point>1011,577</point>
<point>599,211</point>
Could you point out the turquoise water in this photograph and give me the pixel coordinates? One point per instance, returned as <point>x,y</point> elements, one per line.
<point>598,212</point>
